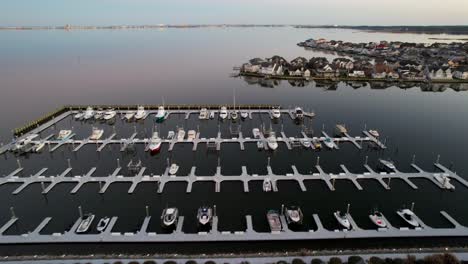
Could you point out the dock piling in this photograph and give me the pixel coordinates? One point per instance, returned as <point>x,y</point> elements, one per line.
<point>414,159</point>
<point>438,159</point>
<point>69,163</point>
<point>147,211</point>
<point>80,211</point>
<point>118,163</point>
<point>12,210</point>
<point>43,187</point>
<point>412,206</point>
<point>347,209</point>
<point>214,210</point>
<point>318,160</point>
<point>367,158</point>
<point>19,163</point>
<point>388,183</point>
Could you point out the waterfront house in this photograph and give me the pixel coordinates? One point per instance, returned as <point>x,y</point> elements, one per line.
<point>327,71</point>
<point>441,74</point>
<point>299,62</point>
<point>461,73</point>
<point>379,75</point>
<point>306,73</point>
<point>357,74</point>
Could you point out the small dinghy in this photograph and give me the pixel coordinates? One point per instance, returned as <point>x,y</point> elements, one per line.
<point>102,224</point>
<point>173,169</point>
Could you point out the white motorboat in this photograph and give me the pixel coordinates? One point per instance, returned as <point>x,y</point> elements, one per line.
<point>444,181</point>
<point>64,134</point>
<point>234,115</point>
<point>79,115</point>
<point>140,113</point>
<point>173,169</point>
<point>88,113</point>
<point>129,115</point>
<point>316,143</point>
<point>374,133</point>
<point>170,135</point>
<point>267,185</point>
<point>298,113</point>
<point>85,224</point>
<point>223,113</point>
<point>388,164</point>
<point>271,141</point>
<point>244,114</point>
<point>21,145</point>
<point>293,215</point>
<point>102,224</point>
<point>256,133</point>
<point>305,143</point>
<point>180,134</point>
<point>169,217</point>
<point>96,134</point>
<point>408,216</point>
<point>99,114</point>
<point>341,129</point>
<point>205,215</point>
<point>203,114</point>
<point>342,219</point>
<point>275,113</point>
<point>109,114</point>
<point>39,146</point>
<point>274,221</point>
<point>378,219</point>
<point>161,114</point>
<point>191,135</point>
<point>329,143</point>
<point>155,143</point>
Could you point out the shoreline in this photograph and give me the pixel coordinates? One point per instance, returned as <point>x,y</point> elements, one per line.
<point>348,79</point>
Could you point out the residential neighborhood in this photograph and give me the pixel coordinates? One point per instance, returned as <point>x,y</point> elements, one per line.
<point>382,60</point>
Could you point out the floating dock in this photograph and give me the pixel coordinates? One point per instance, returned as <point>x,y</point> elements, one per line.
<point>48,182</point>
<point>215,235</point>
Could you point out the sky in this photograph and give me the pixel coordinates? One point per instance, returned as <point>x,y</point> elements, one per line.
<point>311,12</point>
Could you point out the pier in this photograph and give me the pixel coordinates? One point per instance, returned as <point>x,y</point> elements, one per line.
<point>215,235</point>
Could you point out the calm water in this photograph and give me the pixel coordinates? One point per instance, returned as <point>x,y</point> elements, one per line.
<point>42,70</point>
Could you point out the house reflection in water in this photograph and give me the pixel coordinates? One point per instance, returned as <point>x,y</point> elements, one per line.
<point>332,85</point>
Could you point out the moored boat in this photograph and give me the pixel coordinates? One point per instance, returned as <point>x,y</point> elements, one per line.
<point>387,164</point>
<point>161,114</point>
<point>223,113</point>
<point>129,115</point>
<point>298,113</point>
<point>99,114</point>
<point>79,115</point>
<point>267,185</point>
<point>169,217</point>
<point>272,142</point>
<point>180,134</point>
<point>234,115</point>
<point>64,134</point>
<point>88,113</point>
<point>305,143</point>
<point>342,219</point>
<point>173,169</point>
<point>274,221</point>
<point>256,133</point>
<point>85,224</point>
<point>316,143</point>
<point>21,144</point>
<point>96,134</point>
<point>275,113</point>
<point>329,143</point>
<point>341,129</point>
<point>109,114</point>
<point>374,133</point>
<point>102,224</point>
<point>408,216</point>
<point>444,181</point>
<point>170,135</point>
<point>244,114</point>
<point>191,134</point>
<point>155,143</point>
<point>293,215</point>
<point>140,113</point>
<point>205,215</point>
<point>203,114</point>
<point>378,219</point>
<point>39,146</point>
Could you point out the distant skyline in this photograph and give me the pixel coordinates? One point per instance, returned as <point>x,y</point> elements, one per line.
<point>311,12</point>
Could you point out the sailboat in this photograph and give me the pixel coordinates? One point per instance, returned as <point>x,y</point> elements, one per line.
<point>85,224</point>
<point>173,169</point>
<point>155,143</point>
<point>293,215</point>
<point>169,217</point>
<point>408,216</point>
<point>205,215</point>
<point>378,219</point>
<point>342,219</point>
